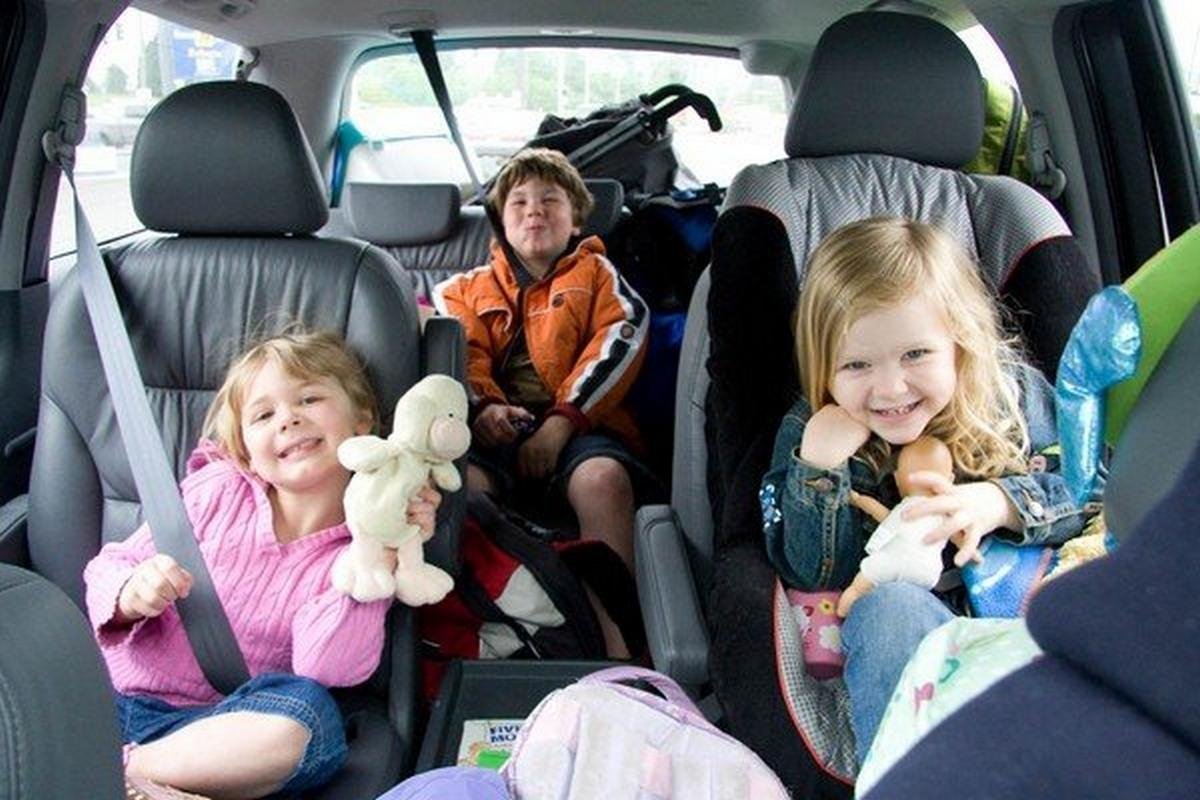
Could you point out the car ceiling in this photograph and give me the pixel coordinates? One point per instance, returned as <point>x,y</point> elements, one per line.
<point>722,23</point>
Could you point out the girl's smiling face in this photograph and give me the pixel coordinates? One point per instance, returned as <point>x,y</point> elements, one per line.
<point>292,427</point>
<point>896,369</point>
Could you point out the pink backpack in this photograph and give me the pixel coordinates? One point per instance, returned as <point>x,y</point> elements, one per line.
<point>601,738</point>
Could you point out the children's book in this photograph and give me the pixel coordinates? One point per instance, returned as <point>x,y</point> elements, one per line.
<point>487,742</point>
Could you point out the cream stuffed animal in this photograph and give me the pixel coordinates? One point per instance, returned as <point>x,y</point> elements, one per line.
<point>429,432</point>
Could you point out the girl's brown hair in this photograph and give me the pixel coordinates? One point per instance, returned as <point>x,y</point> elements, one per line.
<point>303,355</point>
<point>872,265</point>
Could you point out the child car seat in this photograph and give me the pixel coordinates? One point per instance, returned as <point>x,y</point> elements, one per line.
<point>889,110</point>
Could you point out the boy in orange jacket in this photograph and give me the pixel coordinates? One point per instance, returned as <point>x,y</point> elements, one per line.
<point>554,342</point>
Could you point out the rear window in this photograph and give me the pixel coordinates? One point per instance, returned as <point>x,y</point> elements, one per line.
<point>502,94</point>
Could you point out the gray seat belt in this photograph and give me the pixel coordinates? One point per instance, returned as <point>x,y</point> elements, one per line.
<point>204,620</point>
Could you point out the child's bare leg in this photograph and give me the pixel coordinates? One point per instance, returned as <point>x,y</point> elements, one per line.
<point>479,481</point>
<point>600,492</point>
<point>242,754</point>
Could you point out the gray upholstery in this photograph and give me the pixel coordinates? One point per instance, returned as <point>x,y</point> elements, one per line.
<point>190,304</point>
<point>996,219</point>
<point>889,83</point>
<point>402,214</point>
<point>227,158</point>
<point>1160,435</point>
<point>53,688</point>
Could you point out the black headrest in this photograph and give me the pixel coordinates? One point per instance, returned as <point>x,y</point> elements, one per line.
<point>226,157</point>
<point>609,196</point>
<point>895,84</point>
<point>406,214</point>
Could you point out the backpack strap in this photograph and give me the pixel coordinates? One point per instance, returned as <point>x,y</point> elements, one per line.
<point>668,688</point>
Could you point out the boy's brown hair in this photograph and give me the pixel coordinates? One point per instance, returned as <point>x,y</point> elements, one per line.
<point>550,166</point>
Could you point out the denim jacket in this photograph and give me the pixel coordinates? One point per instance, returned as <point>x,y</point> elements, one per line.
<point>816,539</point>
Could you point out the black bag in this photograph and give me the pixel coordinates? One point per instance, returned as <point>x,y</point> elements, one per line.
<point>520,594</point>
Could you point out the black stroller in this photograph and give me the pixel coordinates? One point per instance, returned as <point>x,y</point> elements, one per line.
<point>629,141</point>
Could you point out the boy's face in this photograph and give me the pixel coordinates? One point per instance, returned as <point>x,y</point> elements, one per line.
<point>538,223</point>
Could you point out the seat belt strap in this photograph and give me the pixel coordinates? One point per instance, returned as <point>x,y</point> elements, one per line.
<point>204,620</point>
<point>423,42</point>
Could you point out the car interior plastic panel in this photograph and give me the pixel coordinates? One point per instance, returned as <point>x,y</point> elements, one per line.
<point>189,303</point>
<point>1160,435</point>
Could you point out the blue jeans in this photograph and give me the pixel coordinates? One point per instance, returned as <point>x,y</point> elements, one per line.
<point>144,718</point>
<point>879,636</point>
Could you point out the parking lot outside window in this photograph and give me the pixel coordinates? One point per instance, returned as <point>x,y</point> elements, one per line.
<point>142,59</point>
<point>502,94</point>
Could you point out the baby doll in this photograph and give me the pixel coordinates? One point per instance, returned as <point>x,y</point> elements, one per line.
<point>896,550</point>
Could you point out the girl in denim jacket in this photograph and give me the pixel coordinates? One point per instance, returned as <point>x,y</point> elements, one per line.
<point>897,336</point>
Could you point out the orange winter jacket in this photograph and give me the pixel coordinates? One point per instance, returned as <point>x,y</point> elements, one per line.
<point>585,329</point>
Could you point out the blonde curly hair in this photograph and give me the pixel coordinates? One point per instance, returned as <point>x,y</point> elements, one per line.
<point>873,264</point>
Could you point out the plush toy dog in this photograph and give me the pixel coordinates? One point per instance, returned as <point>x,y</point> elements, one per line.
<point>429,432</point>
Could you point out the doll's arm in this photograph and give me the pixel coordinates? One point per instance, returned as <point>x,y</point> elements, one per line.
<point>869,506</point>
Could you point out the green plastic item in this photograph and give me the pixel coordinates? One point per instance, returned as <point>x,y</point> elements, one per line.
<point>1165,289</point>
<point>1005,145</point>
<point>491,759</point>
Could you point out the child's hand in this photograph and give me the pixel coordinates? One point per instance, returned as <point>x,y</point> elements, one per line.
<point>422,511</point>
<point>497,424</point>
<point>972,511</point>
<point>831,437</point>
<point>155,584</point>
<point>539,453</point>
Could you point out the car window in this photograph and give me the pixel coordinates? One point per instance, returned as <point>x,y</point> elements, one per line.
<point>1183,22</point>
<point>502,94</point>
<point>142,59</point>
<point>988,55</point>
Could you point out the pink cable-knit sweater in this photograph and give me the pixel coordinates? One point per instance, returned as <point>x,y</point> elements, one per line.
<point>284,612</point>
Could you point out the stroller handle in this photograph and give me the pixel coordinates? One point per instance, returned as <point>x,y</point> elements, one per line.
<point>663,92</point>
<point>702,105</point>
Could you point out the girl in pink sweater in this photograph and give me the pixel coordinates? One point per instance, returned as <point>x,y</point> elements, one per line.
<point>264,494</point>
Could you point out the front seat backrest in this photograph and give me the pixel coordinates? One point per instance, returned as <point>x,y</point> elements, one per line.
<point>224,171</point>
<point>240,264</point>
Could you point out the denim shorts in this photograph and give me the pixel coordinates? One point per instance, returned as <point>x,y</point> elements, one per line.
<point>144,718</point>
<point>501,465</point>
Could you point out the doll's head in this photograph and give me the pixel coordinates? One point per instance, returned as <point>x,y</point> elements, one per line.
<point>925,454</point>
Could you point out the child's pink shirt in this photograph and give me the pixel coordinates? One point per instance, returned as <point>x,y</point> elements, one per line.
<point>284,612</point>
